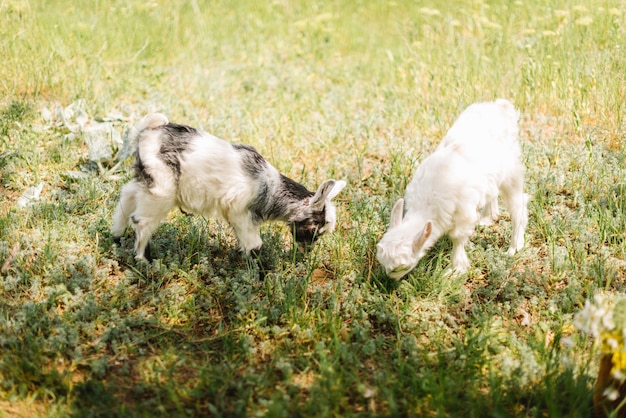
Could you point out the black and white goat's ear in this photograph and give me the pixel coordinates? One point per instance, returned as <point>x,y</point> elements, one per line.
<point>327,190</point>
<point>422,236</point>
<point>397,213</point>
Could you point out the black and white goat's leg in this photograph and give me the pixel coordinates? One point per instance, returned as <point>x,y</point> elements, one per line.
<point>247,231</point>
<point>150,211</point>
<point>248,234</point>
<point>126,206</point>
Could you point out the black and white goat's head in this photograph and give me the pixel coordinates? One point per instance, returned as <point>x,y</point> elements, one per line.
<point>317,214</point>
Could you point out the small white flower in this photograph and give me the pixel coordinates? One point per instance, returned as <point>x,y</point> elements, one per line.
<point>568,342</point>
<point>619,375</point>
<point>597,319</point>
<point>611,393</point>
<point>608,322</point>
<point>612,342</point>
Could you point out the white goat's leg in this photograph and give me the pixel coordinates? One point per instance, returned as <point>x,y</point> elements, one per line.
<point>489,213</point>
<point>460,262</point>
<point>516,202</point>
<point>151,210</point>
<point>125,207</point>
<point>466,219</point>
<point>247,232</point>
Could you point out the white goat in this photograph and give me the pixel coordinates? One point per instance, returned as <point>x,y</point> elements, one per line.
<point>179,166</point>
<point>457,187</point>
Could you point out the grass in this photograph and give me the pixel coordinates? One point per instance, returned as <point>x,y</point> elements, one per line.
<point>326,89</point>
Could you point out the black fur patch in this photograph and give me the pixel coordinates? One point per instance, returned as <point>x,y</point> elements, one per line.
<point>270,206</point>
<point>306,232</point>
<point>260,207</point>
<point>141,174</point>
<point>175,141</point>
<point>148,253</point>
<point>253,162</point>
<point>294,189</point>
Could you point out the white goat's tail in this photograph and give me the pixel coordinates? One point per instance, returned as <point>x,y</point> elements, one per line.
<point>512,114</point>
<point>505,104</point>
<point>511,119</point>
<point>151,121</point>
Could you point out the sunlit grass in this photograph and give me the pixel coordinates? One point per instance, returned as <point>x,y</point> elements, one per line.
<point>360,91</point>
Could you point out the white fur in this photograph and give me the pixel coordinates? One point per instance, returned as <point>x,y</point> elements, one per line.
<point>212,182</point>
<point>457,187</point>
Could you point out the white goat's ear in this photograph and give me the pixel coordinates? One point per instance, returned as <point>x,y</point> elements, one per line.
<point>396,213</point>
<point>420,239</point>
<point>326,191</point>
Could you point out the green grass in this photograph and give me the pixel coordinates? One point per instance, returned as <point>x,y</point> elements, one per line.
<point>327,89</point>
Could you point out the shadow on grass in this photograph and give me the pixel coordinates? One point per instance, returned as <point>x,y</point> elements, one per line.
<point>219,355</point>
<point>383,283</point>
<point>188,241</point>
<point>448,384</point>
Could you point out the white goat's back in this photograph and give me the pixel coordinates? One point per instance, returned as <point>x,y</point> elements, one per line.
<point>478,154</point>
<point>484,123</point>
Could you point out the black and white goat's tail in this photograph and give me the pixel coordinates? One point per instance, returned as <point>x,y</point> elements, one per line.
<point>151,121</point>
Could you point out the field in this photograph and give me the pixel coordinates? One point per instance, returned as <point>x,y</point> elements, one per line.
<point>344,89</point>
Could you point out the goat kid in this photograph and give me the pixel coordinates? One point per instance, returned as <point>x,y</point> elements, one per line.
<point>180,166</point>
<point>457,187</point>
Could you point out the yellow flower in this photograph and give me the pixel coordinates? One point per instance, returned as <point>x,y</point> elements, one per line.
<point>619,365</point>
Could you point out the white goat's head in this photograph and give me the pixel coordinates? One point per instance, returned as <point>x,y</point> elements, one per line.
<point>403,245</point>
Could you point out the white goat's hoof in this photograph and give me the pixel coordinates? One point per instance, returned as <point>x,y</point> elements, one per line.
<point>454,272</point>
<point>487,221</point>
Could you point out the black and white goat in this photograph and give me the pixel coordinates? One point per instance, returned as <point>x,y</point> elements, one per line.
<point>180,166</point>
<point>457,187</point>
